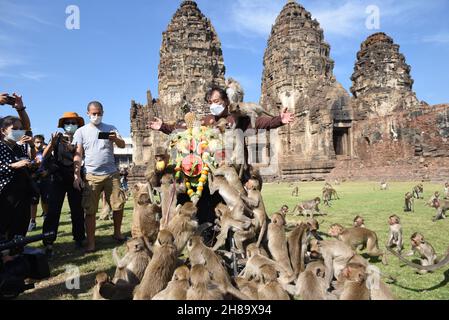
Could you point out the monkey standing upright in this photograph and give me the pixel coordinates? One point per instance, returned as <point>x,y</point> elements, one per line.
<point>255,201</point>
<point>277,243</point>
<point>395,235</point>
<point>409,202</point>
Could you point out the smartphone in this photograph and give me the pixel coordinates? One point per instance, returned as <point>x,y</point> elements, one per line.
<point>29,133</point>
<point>10,100</point>
<point>103,135</point>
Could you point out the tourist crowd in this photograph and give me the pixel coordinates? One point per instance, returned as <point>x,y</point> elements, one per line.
<point>77,162</point>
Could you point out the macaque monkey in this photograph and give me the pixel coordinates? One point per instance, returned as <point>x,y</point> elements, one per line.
<point>313,227</point>
<point>104,289</point>
<point>200,254</point>
<point>270,288</point>
<point>168,199</point>
<point>277,243</point>
<point>336,255</point>
<point>160,269</point>
<point>383,186</point>
<point>247,287</point>
<point>177,288</point>
<point>202,288</point>
<point>395,235</point>
<point>256,259</point>
<point>418,191</point>
<point>308,207</point>
<point>230,195</point>
<point>155,173</point>
<point>226,222</point>
<point>424,249</point>
<point>131,267</point>
<point>359,222</point>
<point>354,277</point>
<point>146,216</point>
<point>330,191</point>
<point>231,176</point>
<point>238,107</point>
<point>183,225</point>
<point>255,202</point>
<point>446,191</point>
<point>441,207</point>
<point>295,192</point>
<point>434,199</point>
<point>355,237</point>
<point>297,247</point>
<point>409,202</point>
<point>327,197</point>
<point>284,211</point>
<point>311,283</point>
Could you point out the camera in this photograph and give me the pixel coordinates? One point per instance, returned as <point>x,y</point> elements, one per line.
<point>29,264</point>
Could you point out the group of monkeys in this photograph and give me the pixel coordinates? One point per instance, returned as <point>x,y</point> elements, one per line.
<point>254,257</point>
<point>440,205</point>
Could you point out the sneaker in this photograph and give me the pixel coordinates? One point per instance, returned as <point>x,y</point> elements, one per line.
<point>32,226</point>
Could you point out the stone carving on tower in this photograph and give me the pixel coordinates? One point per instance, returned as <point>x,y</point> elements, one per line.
<point>382,83</point>
<point>298,74</point>
<point>191,60</point>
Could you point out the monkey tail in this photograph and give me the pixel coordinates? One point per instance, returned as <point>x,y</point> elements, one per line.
<point>263,230</point>
<point>434,267</point>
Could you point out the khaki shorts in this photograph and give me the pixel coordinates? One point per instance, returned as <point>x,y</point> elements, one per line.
<point>93,188</point>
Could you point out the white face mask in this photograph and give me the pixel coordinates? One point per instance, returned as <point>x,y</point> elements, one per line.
<point>96,120</point>
<point>216,109</point>
<point>70,128</point>
<point>15,135</point>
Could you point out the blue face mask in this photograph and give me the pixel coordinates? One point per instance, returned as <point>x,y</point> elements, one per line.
<point>15,135</point>
<point>70,128</point>
<point>216,109</point>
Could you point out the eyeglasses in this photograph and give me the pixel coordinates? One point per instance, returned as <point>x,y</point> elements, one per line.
<point>74,123</point>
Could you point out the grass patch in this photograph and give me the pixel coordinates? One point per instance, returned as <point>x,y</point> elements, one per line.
<point>357,198</point>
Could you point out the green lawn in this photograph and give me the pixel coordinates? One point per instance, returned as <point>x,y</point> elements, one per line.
<point>357,198</point>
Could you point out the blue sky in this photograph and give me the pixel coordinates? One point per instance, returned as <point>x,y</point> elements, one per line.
<point>115,54</point>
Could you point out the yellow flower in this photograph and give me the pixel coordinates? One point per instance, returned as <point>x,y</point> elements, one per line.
<point>190,192</point>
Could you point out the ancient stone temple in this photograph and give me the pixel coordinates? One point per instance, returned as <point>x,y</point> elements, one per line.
<point>382,83</point>
<point>394,135</point>
<point>298,74</point>
<point>381,132</point>
<point>191,60</point>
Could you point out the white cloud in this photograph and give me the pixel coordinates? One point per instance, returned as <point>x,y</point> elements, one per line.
<point>440,38</point>
<point>34,76</point>
<point>344,19</point>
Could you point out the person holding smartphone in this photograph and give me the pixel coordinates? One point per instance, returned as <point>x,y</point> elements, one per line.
<point>16,102</point>
<point>95,144</point>
<point>15,181</point>
<point>58,159</point>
